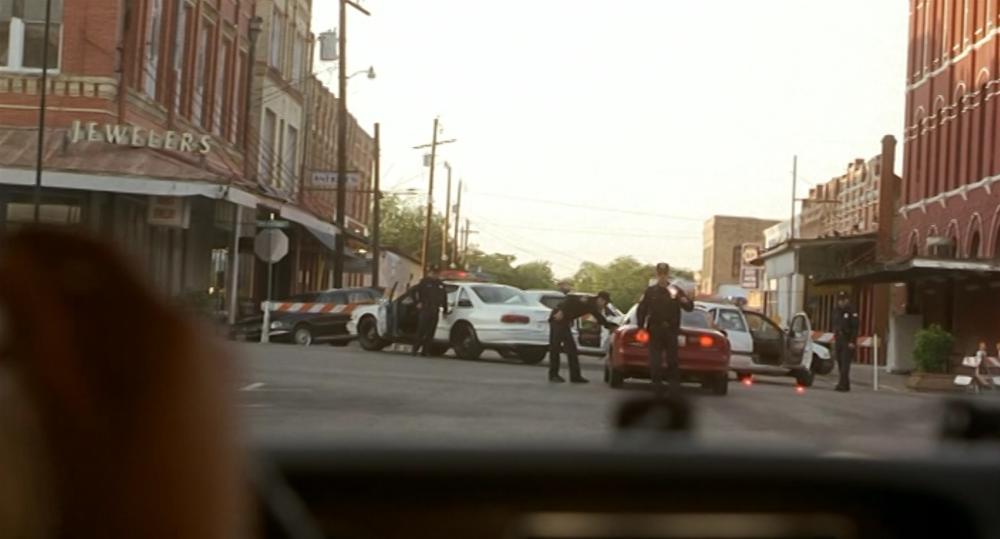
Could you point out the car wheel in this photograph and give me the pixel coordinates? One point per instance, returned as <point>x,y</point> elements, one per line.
<point>615,378</point>
<point>438,350</point>
<point>804,378</point>
<point>821,366</point>
<point>720,385</point>
<point>466,343</point>
<point>368,335</point>
<point>532,356</point>
<point>302,336</point>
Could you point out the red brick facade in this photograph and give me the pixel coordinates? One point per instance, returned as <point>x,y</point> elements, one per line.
<point>952,144</point>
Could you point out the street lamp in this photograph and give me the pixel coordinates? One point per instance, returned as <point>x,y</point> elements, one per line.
<point>369,73</point>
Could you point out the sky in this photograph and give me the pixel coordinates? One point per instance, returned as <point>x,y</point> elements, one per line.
<point>589,130</point>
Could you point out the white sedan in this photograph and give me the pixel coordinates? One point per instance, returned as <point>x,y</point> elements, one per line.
<point>759,346</point>
<point>591,338</point>
<point>482,316</point>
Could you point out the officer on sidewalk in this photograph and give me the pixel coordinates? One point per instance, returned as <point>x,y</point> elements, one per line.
<point>561,332</point>
<point>431,298</point>
<point>845,335</point>
<point>659,312</point>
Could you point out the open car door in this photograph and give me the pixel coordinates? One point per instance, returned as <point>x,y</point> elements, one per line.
<point>799,342</point>
<point>768,339</point>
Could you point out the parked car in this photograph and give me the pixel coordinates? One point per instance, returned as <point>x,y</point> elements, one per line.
<point>760,346</point>
<point>591,338</point>
<point>703,353</point>
<point>305,327</point>
<point>483,316</point>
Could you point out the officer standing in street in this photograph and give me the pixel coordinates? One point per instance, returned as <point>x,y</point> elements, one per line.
<point>561,332</point>
<point>659,312</point>
<point>431,299</point>
<point>845,334</point>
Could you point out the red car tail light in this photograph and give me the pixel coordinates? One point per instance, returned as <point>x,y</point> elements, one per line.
<point>515,319</point>
<point>636,338</point>
<point>706,341</point>
<point>702,341</point>
<point>642,336</point>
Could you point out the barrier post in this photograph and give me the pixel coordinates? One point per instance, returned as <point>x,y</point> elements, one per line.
<point>265,328</point>
<point>875,361</point>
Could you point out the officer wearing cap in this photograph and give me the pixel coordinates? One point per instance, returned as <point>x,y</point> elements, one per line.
<point>561,333</point>
<point>845,334</point>
<point>659,312</point>
<point>431,298</point>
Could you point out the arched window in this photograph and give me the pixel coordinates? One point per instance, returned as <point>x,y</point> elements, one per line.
<point>996,243</point>
<point>983,155</point>
<point>974,245</point>
<point>958,117</point>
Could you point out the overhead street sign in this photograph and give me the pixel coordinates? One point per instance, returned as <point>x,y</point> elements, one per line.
<point>750,278</point>
<point>273,223</point>
<point>270,245</point>
<point>322,178</point>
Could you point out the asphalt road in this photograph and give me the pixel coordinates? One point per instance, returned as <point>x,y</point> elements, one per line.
<point>348,395</point>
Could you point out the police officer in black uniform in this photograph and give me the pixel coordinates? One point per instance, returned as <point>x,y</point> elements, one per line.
<point>659,312</point>
<point>561,332</point>
<point>845,334</point>
<point>431,299</point>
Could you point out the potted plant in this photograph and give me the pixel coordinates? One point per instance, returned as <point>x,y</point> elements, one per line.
<point>932,355</point>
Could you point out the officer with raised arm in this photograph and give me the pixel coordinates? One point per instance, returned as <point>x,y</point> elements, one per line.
<point>659,312</point>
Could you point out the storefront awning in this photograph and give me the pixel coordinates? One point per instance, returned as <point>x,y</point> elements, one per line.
<point>816,244</point>
<point>917,269</point>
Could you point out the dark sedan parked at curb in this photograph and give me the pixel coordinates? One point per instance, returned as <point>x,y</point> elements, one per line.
<point>309,326</point>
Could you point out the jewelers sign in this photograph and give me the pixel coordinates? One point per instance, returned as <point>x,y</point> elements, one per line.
<point>139,137</point>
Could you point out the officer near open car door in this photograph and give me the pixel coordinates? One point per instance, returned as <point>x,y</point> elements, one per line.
<point>659,313</point>
<point>845,336</point>
<point>561,332</point>
<point>431,299</point>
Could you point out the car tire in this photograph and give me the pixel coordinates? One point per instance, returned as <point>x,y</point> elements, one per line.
<point>615,378</point>
<point>302,335</point>
<point>532,356</point>
<point>821,366</point>
<point>465,342</point>
<point>804,378</point>
<point>368,335</point>
<point>720,385</point>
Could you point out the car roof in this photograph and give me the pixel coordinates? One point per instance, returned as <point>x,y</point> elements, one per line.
<point>544,292</point>
<point>716,305</point>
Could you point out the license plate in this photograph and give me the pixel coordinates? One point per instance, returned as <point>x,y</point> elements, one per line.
<point>681,340</point>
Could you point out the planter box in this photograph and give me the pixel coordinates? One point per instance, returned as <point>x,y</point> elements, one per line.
<point>927,381</point>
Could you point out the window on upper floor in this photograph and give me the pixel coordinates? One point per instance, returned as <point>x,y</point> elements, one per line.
<point>22,34</point>
<point>183,35</point>
<point>151,47</point>
<point>277,39</point>
<point>297,46</point>
<point>220,114</point>
<point>200,68</point>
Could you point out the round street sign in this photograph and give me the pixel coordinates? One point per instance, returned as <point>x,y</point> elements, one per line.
<point>270,245</point>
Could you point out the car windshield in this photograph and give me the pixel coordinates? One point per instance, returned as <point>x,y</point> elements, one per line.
<point>500,294</point>
<point>364,224</point>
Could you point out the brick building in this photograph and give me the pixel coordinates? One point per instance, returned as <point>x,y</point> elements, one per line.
<point>142,129</point>
<point>722,241</point>
<point>845,205</point>
<point>147,138</point>
<point>949,203</point>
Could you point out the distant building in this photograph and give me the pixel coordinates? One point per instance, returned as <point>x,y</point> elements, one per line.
<point>723,239</point>
<point>846,205</point>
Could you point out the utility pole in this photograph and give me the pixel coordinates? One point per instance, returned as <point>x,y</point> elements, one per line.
<point>43,93</point>
<point>795,172</point>
<point>465,242</point>
<point>458,219</point>
<point>376,209</point>
<point>447,220</point>
<point>339,244</point>
<point>425,246</point>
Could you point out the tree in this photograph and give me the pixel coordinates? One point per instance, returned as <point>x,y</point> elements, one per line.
<point>625,278</point>
<point>536,274</point>
<point>403,227</point>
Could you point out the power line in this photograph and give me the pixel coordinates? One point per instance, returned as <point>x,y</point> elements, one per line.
<point>586,207</point>
<point>537,244</point>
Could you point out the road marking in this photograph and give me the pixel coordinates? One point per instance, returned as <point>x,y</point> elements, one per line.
<point>253,386</point>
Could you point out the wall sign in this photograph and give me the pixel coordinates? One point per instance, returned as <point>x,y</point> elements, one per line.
<point>169,211</point>
<point>139,137</point>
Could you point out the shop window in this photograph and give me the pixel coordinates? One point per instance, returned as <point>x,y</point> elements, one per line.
<point>22,34</point>
<point>49,213</point>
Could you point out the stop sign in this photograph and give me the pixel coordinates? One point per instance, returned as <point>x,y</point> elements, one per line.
<point>270,245</point>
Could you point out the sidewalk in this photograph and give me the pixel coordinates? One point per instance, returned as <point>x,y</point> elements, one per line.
<point>861,378</point>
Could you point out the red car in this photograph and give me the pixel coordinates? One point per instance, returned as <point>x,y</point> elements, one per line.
<point>703,353</point>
